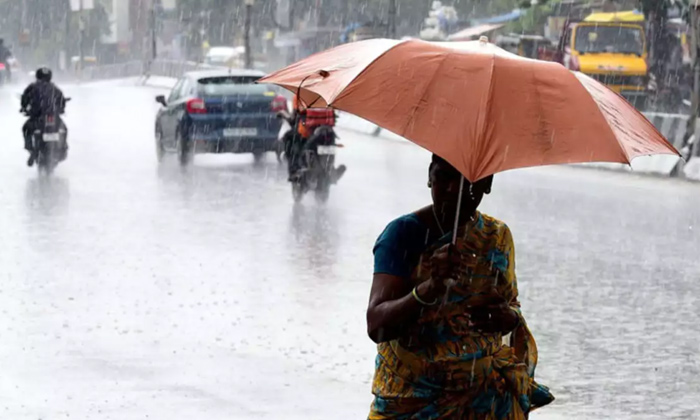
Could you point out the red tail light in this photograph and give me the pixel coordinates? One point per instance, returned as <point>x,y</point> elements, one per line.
<point>279,104</point>
<point>196,106</point>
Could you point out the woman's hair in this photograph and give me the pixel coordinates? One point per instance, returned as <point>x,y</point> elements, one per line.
<point>443,164</point>
<point>440,161</point>
<point>447,166</point>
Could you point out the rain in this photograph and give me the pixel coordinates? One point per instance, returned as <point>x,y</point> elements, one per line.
<point>183,260</point>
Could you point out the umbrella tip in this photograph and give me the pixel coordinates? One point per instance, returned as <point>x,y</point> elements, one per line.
<point>484,39</point>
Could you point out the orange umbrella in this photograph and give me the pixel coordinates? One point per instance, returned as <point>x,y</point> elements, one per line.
<point>479,107</point>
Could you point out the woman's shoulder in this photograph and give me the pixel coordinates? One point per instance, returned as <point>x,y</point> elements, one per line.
<point>404,227</point>
<point>492,226</point>
<point>398,248</point>
<point>410,220</point>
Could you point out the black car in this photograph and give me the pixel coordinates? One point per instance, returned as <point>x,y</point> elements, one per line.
<point>218,111</point>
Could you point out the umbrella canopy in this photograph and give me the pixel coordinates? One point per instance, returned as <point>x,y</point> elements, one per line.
<point>479,107</point>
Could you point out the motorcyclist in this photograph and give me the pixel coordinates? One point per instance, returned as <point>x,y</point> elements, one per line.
<point>39,99</point>
<point>5,55</point>
<point>295,139</point>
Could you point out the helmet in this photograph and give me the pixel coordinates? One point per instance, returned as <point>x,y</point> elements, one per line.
<point>44,74</point>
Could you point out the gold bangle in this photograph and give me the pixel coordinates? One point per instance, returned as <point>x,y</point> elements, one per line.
<point>421,301</point>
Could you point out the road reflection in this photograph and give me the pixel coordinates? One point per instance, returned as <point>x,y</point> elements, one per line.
<point>315,236</point>
<point>47,196</point>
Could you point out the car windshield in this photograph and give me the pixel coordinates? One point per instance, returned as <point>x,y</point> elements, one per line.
<point>609,38</point>
<point>230,85</point>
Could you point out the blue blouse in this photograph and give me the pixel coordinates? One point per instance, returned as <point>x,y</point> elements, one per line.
<point>398,249</point>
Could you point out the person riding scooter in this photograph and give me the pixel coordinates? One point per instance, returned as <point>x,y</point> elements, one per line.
<point>39,99</point>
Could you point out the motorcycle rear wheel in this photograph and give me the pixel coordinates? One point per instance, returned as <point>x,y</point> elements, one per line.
<point>323,190</point>
<point>45,164</point>
<point>297,191</point>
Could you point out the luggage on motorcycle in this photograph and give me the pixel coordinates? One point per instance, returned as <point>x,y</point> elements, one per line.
<point>315,117</point>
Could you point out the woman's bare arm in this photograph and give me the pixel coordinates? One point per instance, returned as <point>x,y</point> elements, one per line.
<point>391,306</point>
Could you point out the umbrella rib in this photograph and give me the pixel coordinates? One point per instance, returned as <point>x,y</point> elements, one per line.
<point>619,143</point>
<point>602,114</point>
<point>487,110</point>
<point>446,55</point>
<point>339,95</point>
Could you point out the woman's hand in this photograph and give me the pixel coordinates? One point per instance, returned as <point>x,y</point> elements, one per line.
<point>443,265</point>
<point>443,262</point>
<point>494,317</point>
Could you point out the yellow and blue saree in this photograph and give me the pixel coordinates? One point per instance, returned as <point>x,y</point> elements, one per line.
<point>441,368</point>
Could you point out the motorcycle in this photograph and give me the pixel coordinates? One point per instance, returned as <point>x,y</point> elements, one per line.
<point>313,161</point>
<point>49,141</point>
<point>3,74</point>
<point>317,171</point>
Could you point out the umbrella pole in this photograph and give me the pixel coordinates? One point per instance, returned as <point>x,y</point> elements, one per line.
<point>459,209</point>
<point>451,282</point>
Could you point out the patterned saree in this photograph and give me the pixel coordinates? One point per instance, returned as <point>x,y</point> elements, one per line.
<point>443,369</point>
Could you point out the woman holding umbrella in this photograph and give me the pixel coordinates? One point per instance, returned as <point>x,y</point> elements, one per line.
<point>439,314</point>
<point>444,295</point>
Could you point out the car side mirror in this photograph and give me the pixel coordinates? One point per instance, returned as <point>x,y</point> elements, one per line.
<point>161,100</point>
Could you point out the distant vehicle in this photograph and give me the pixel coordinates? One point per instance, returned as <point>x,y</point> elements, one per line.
<point>218,111</point>
<point>50,141</point>
<point>3,74</point>
<point>7,74</point>
<point>611,48</point>
<point>530,46</point>
<point>312,165</point>
<point>88,61</point>
<point>226,57</point>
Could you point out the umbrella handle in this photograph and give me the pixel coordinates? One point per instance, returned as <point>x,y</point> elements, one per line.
<point>324,74</point>
<point>459,209</point>
<point>451,282</point>
<point>299,92</point>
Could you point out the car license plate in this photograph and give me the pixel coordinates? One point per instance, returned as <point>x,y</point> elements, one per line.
<point>326,150</point>
<point>51,137</point>
<point>240,132</point>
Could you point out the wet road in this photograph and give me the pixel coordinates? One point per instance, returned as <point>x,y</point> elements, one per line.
<point>130,290</point>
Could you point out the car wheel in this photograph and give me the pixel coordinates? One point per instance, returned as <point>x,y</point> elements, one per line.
<point>185,150</point>
<point>160,151</point>
<point>258,156</point>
